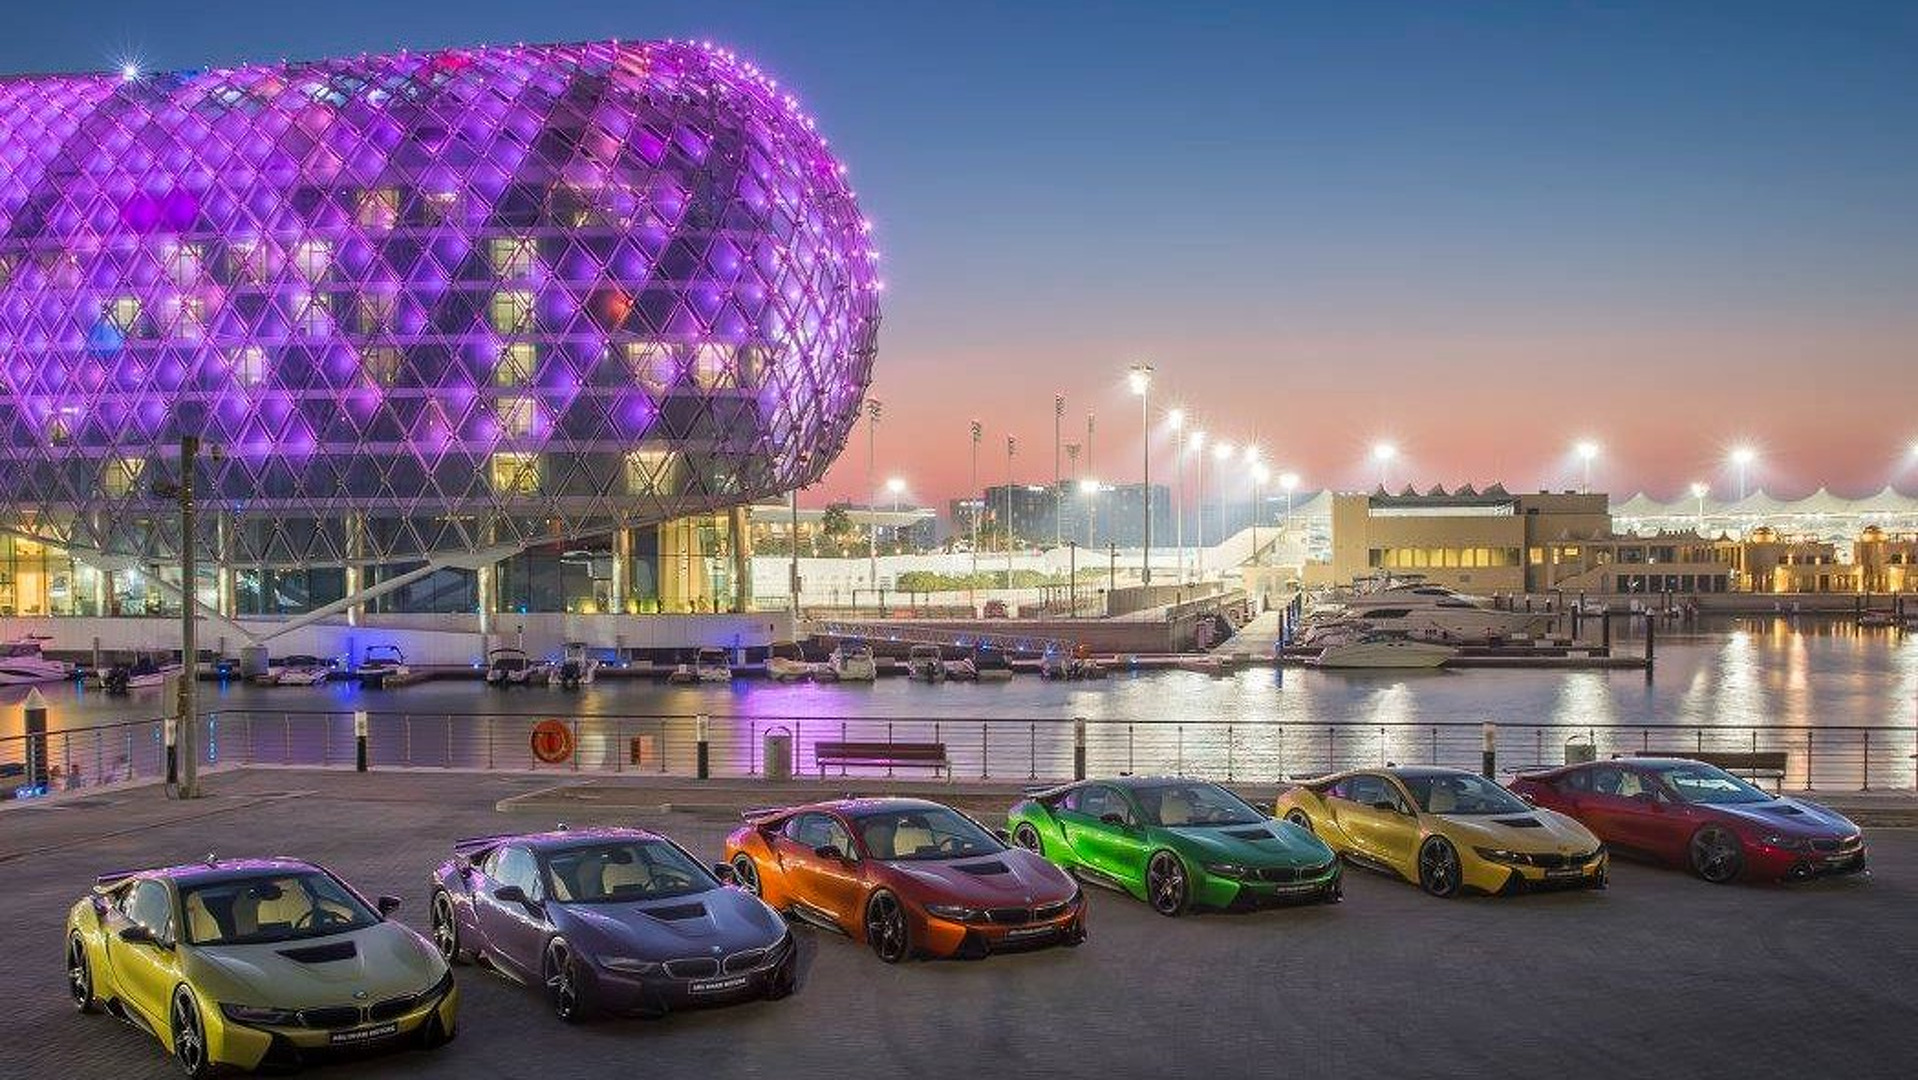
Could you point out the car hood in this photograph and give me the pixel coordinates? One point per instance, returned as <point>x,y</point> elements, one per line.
<point>1013,876</point>
<point>1269,843</point>
<point>1791,817</point>
<point>720,920</point>
<point>381,961</point>
<point>1534,831</point>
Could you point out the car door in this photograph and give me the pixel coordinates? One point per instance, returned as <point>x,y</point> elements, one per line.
<point>827,884</point>
<point>1115,848</point>
<point>146,972</point>
<point>514,932</point>
<point>1618,805</point>
<point>1076,822</point>
<point>1355,805</point>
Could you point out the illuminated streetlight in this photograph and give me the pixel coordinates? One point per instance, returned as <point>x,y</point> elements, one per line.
<point>1175,419</point>
<point>1288,483</point>
<point>1140,379</point>
<point>1699,491</point>
<point>1742,457</point>
<point>1383,454</point>
<point>1587,452</point>
<point>1259,476</point>
<point>129,71</point>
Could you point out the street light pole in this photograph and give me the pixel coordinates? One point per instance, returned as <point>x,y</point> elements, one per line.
<point>872,528</point>
<point>979,507</point>
<point>1012,447</point>
<point>1176,420</point>
<point>1198,450</point>
<point>1058,500</point>
<point>188,737</point>
<point>1141,379</point>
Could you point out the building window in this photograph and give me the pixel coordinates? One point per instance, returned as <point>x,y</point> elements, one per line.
<point>379,208</point>
<point>515,474</point>
<point>653,472</point>
<point>512,257</point>
<point>517,417</point>
<point>190,323</point>
<point>442,207</point>
<point>516,365</point>
<point>121,476</point>
<point>248,365</point>
<point>511,312</point>
<point>124,313</point>
<point>653,365</point>
<point>373,314</point>
<point>246,262</point>
<point>184,263</point>
<point>312,258</point>
<point>712,367</point>
<point>381,364</point>
<point>62,424</point>
<point>313,315</point>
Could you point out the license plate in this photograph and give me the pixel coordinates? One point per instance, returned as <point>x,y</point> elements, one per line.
<point>1564,871</point>
<point>1286,890</point>
<point>719,986</point>
<point>366,1034</point>
<point>1030,932</point>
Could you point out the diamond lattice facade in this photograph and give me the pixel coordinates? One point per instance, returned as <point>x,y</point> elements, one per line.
<point>415,304</point>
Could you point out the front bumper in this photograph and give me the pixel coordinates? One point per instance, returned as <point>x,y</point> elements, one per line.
<point>230,1042</point>
<point>1293,886</point>
<point>657,993</point>
<point>1766,863</point>
<point>1504,879</point>
<point>948,937</point>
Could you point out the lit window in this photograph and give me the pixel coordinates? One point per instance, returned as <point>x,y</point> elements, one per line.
<point>184,263</point>
<point>124,312</point>
<point>313,315</point>
<point>249,365</point>
<point>712,367</point>
<point>121,477</point>
<point>379,208</point>
<point>517,416</point>
<point>442,208</point>
<point>515,474</point>
<point>312,258</point>
<point>247,262</point>
<point>511,312</point>
<point>512,257</point>
<point>374,312</point>
<point>653,365</point>
<point>191,323</point>
<point>516,364</point>
<point>653,472</point>
<point>381,364</point>
<point>62,424</point>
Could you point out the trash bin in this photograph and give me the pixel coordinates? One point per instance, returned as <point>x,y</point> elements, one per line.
<point>1579,750</point>
<point>778,752</point>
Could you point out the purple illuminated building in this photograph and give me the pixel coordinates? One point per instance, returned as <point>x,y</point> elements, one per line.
<point>420,308</point>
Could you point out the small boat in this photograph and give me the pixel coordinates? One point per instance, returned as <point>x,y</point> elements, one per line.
<point>383,666</point>
<point>303,671</point>
<point>924,663</point>
<point>712,665</point>
<point>852,661</point>
<point>785,663</point>
<point>576,668</point>
<point>1592,607</point>
<point>21,663</point>
<point>989,665</point>
<point>1383,651</point>
<point>508,666</point>
<point>143,673</point>
<point>1078,664</point>
<point>1876,619</point>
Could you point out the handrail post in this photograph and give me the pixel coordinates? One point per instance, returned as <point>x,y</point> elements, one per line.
<point>1078,748</point>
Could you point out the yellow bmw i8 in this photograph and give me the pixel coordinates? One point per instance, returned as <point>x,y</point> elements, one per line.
<point>1446,830</point>
<point>254,962</point>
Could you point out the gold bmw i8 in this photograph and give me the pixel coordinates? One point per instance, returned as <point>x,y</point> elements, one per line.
<point>254,962</point>
<point>1446,830</point>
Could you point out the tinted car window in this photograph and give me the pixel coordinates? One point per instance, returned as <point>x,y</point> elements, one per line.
<point>817,831</point>
<point>1623,783</point>
<point>1576,780</point>
<point>148,906</point>
<point>935,833</point>
<point>1194,804</point>
<point>627,870</point>
<point>516,866</point>
<point>1365,790</point>
<point>276,907</point>
<point>1098,801</point>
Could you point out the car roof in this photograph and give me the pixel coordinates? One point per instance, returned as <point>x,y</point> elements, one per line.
<point>563,837</point>
<point>860,807</point>
<point>212,869</point>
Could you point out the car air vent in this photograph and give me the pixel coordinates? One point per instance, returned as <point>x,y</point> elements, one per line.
<point>985,869</point>
<point>321,954</point>
<point>1783,810</point>
<point>677,912</point>
<point>1249,834</point>
<point>1519,822</point>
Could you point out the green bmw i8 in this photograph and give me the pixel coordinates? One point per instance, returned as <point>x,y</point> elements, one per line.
<point>1175,843</point>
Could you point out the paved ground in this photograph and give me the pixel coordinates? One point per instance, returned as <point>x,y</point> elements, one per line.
<point>1660,976</point>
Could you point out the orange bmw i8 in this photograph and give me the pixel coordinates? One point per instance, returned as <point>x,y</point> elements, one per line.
<point>907,876</point>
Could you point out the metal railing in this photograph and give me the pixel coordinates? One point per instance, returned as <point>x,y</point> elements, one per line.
<point>89,757</point>
<point>996,748</point>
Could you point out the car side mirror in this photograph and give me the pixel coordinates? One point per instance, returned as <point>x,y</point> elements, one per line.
<point>1112,819</point>
<point>387,905</point>
<point>510,894</point>
<point>1649,798</point>
<point>1388,806</point>
<point>139,935</point>
<point>724,872</point>
<point>1528,798</point>
<point>829,851</point>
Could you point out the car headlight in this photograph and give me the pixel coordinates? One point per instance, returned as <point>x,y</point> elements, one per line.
<point>630,965</point>
<point>1788,843</point>
<point>954,912</point>
<point>1500,855</point>
<point>260,1014</point>
<point>1225,869</point>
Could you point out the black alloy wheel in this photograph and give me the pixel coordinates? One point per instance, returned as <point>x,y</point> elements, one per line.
<point>1439,868</point>
<point>1027,837</point>
<point>446,928</point>
<point>1717,855</point>
<point>80,975</point>
<point>1165,884</point>
<point>189,1036</point>
<point>746,873</point>
<point>887,929</point>
<point>564,990</point>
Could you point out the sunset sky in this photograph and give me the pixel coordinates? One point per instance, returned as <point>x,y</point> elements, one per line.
<point>1483,231</point>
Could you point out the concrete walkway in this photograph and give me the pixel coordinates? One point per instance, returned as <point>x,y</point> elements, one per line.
<point>1256,639</point>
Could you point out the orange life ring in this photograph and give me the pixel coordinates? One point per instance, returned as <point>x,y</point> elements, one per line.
<point>552,741</point>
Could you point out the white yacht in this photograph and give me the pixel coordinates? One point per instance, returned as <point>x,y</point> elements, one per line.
<point>21,663</point>
<point>384,666</point>
<point>1436,613</point>
<point>852,661</point>
<point>1383,651</point>
<point>576,668</point>
<point>924,663</point>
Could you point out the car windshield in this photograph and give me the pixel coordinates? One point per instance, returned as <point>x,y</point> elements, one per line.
<point>1710,785</point>
<point>1193,804</point>
<point>271,908</point>
<point>923,834</point>
<point>1461,793</point>
<point>624,870</point>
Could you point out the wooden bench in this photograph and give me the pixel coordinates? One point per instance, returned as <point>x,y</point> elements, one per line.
<point>1749,764</point>
<point>890,754</point>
